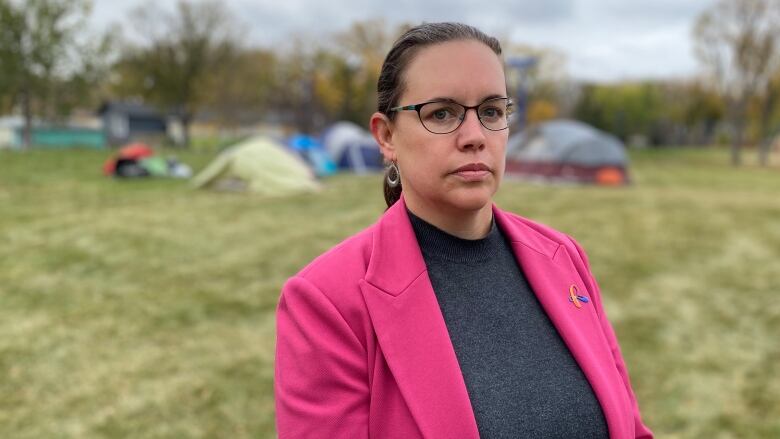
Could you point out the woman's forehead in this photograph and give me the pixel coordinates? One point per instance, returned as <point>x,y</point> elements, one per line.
<point>464,70</point>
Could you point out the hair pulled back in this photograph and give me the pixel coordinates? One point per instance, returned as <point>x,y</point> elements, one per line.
<point>391,85</point>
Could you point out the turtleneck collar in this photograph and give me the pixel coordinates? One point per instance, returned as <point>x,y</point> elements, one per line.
<point>438,244</point>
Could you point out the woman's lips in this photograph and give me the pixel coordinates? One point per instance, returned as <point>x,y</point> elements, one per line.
<point>473,172</point>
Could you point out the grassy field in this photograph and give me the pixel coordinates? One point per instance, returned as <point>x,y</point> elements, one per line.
<point>142,309</point>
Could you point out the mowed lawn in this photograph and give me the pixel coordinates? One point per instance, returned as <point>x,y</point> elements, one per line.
<point>144,309</point>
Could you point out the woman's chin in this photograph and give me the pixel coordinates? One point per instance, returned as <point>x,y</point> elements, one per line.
<point>471,199</point>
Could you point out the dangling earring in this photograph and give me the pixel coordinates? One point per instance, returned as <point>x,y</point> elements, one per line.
<point>393,175</point>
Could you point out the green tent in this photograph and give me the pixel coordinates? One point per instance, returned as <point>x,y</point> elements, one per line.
<point>259,165</point>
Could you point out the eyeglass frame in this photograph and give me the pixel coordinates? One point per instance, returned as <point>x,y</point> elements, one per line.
<point>417,107</point>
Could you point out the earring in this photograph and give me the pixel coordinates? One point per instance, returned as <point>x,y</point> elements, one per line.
<point>393,175</point>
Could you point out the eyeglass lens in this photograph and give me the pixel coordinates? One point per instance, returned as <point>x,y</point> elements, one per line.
<point>445,117</point>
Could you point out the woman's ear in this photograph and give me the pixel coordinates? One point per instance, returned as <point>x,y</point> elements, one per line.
<point>382,130</point>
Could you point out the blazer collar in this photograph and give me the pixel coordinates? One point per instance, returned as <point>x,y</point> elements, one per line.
<point>413,336</point>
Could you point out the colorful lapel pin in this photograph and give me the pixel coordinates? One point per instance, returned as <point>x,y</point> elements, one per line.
<point>575,298</point>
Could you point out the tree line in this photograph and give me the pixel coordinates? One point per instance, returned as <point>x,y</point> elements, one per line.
<point>193,62</point>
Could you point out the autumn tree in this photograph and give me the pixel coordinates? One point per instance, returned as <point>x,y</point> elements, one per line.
<point>662,112</point>
<point>173,57</point>
<point>240,91</point>
<point>294,99</point>
<point>538,81</point>
<point>333,78</point>
<point>624,109</point>
<point>738,42</point>
<point>699,110</point>
<point>363,48</point>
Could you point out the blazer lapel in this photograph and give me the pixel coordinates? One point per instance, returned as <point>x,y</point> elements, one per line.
<point>411,331</point>
<point>551,274</point>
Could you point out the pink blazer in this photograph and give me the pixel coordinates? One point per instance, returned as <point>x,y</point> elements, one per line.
<point>363,352</point>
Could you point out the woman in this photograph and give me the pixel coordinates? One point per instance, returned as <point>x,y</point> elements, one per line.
<point>448,318</point>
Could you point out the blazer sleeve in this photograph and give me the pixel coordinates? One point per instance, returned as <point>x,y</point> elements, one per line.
<point>641,431</point>
<point>320,379</point>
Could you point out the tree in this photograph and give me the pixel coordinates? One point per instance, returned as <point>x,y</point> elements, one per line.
<point>240,90</point>
<point>174,63</point>
<point>738,41</point>
<point>540,110</point>
<point>294,99</point>
<point>541,90</point>
<point>768,106</point>
<point>699,110</point>
<point>624,109</point>
<point>362,49</point>
<point>42,57</point>
<point>333,79</point>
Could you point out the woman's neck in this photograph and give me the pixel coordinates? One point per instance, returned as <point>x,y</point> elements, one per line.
<point>470,224</point>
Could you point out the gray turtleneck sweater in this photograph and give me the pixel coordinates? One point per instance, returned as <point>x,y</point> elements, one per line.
<point>521,378</point>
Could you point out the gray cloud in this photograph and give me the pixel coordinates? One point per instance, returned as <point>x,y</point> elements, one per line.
<point>657,11</point>
<point>271,20</point>
<point>603,39</point>
<point>517,11</point>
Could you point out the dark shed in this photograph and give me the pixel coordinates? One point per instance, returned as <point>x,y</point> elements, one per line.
<point>127,121</point>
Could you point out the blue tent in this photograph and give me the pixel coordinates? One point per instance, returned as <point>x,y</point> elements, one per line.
<point>314,153</point>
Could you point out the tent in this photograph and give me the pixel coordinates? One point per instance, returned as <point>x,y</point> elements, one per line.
<point>314,153</point>
<point>258,164</point>
<point>352,148</point>
<point>567,151</point>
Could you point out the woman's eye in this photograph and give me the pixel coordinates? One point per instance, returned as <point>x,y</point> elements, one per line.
<point>492,112</point>
<point>441,114</point>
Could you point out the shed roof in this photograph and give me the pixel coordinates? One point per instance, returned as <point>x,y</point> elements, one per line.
<point>130,108</point>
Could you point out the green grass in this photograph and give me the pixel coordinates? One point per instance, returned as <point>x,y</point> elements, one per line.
<point>145,309</point>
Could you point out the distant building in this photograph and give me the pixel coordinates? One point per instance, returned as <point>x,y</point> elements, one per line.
<point>127,121</point>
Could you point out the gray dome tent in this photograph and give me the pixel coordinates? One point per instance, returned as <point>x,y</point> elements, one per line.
<point>569,151</point>
<point>352,147</point>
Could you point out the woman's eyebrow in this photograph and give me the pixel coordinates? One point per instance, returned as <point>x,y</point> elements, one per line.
<point>493,96</point>
<point>449,99</point>
<point>442,99</point>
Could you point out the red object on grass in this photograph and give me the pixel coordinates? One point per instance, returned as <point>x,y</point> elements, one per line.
<point>133,151</point>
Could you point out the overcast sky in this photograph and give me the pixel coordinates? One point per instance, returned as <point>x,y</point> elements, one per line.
<point>602,40</point>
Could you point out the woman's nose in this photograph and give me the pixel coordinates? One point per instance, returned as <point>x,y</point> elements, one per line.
<point>471,134</point>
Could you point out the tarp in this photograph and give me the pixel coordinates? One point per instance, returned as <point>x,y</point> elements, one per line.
<point>352,148</point>
<point>259,165</point>
<point>312,150</point>
<point>567,150</point>
<point>138,160</point>
<point>132,152</point>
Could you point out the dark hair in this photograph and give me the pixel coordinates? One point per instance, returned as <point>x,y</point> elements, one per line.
<point>391,85</point>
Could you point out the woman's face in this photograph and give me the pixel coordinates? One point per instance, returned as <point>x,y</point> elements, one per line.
<point>432,165</point>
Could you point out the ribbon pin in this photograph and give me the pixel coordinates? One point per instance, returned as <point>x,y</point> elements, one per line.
<point>576,299</point>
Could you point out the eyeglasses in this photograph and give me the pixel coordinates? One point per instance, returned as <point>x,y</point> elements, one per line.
<point>445,116</point>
